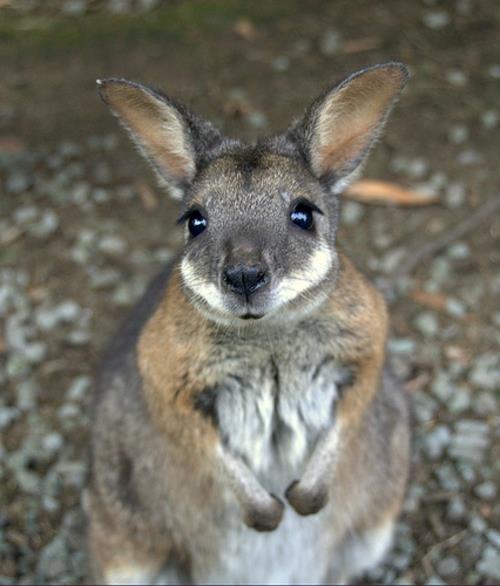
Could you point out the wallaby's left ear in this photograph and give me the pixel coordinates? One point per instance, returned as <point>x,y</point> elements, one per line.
<point>339,128</point>
<point>172,138</point>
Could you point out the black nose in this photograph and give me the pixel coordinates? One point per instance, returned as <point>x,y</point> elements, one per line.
<point>245,280</point>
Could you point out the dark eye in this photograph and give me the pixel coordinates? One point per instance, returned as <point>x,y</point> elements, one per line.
<point>302,216</point>
<point>196,223</point>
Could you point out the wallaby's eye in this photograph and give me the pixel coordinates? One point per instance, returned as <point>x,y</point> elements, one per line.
<point>302,216</point>
<point>196,223</point>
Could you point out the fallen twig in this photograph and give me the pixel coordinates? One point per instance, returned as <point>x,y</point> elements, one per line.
<point>372,191</point>
<point>413,259</point>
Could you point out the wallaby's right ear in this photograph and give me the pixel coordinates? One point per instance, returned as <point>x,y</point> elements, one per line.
<point>173,139</point>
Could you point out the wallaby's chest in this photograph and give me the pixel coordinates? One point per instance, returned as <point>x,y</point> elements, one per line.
<point>271,406</point>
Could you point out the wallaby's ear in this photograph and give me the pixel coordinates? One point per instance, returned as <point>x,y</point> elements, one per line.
<point>339,128</point>
<point>173,139</point>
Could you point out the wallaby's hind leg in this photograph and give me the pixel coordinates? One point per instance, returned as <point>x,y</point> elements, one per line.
<point>360,552</point>
<point>121,557</point>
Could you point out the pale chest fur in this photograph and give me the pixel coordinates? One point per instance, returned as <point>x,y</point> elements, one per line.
<point>272,404</point>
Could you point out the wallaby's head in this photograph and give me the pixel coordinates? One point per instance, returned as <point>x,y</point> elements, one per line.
<point>260,220</point>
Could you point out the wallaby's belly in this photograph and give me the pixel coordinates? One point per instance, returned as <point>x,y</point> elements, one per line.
<point>297,552</point>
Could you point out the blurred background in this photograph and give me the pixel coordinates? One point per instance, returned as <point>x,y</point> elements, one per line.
<point>83,227</point>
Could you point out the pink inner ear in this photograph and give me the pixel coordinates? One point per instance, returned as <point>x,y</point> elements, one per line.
<point>351,118</point>
<point>155,127</point>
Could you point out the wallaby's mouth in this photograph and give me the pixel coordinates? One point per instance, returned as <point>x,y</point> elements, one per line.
<point>251,316</point>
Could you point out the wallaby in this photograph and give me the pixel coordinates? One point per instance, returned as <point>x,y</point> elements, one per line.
<point>245,428</point>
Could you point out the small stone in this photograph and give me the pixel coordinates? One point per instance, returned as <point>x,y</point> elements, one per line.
<point>427,324</point>
<point>459,401</point>
<point>455,308</point>
<point>489,119</point>
<point>494,537</point>
<point>436,19</point>
<point>441,386</point>
<point>112,245</point>
<point>417,168</point>
<point>455,195</point>
<point>47,224</point>
<point>78,388</point>
<point>456,509</point>
<point>435,581</point>
<point>469,157</point>
<point>477,524</point>
<point>485,403</point>
<point>27,392</point>
<point>486,491</point>
<point>458,134</point>
<point>456,77</point>
<point>459,251</point>
<point>7,416</point>
<point>489,564</point>
<point>281,64</point>
<point>448,566</point>
<point>351,213</point>
<point>402,345</point>
<point>75,7</point>
<point>17,183</point>
<point>436,441</point>
<point>448,478</point>
<point>330,43</point>
<point>256,119</point>
<point>52,443</point>
<point>486,372</point>
<point>494,71</point>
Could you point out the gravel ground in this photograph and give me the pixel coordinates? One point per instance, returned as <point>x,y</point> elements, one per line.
<point>83,228</point>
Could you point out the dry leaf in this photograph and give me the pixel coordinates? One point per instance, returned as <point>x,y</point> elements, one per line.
<point>359,45</point>
<point>375,192</point>
<point>245,29</point>
<point>436,301</point>
<point>147,197</point>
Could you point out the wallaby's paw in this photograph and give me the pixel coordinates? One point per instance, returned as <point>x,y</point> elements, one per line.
<point>266,518</point>
<point>306,501</point>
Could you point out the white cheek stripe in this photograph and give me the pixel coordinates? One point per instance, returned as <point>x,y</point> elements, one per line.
<point>201,287</point>
<point>320,262</point>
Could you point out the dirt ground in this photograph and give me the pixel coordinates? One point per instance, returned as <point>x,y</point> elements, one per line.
<point>83,227</point>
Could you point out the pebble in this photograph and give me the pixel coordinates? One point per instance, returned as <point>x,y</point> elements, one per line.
<point>330,43</point>
<point>52,443</point>
<point>456,77</point>
<point>401,345</point>
<point>469,157</point>
<point>281,64</point>
<point>436,441</point>
<point>490,118</point>
<point>448,566</point>
<point>112,245</point>
<point>486,491</point>
<point>460,400</point>
<point>458,134</point>
<point>351,213</point>
<point>489,564</point>
<point>485,373</point>
<point>436,19</point>
<point>78,388</point>
<point>427,324</point>
<point>494,71</point>
<point>455,195</point>
<point>75,7</point>
<point>456,509</point>
<point>459,251</point>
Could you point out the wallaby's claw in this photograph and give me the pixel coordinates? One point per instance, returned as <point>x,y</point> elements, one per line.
<point>306,501</point>
<point>265,519</point>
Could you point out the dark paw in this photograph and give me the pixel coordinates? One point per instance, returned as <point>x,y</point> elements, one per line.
<point>306,502</point>
<point>266,519</point>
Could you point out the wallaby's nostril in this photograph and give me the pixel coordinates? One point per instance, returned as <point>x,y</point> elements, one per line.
<point>245,280</point>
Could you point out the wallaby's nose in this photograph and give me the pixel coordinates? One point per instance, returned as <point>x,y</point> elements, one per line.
<point>245,279</point>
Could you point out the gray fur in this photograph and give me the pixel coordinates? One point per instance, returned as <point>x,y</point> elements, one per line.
<point>275,383</point>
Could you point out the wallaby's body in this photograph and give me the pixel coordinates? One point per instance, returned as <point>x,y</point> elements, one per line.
<point>252,372</point>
